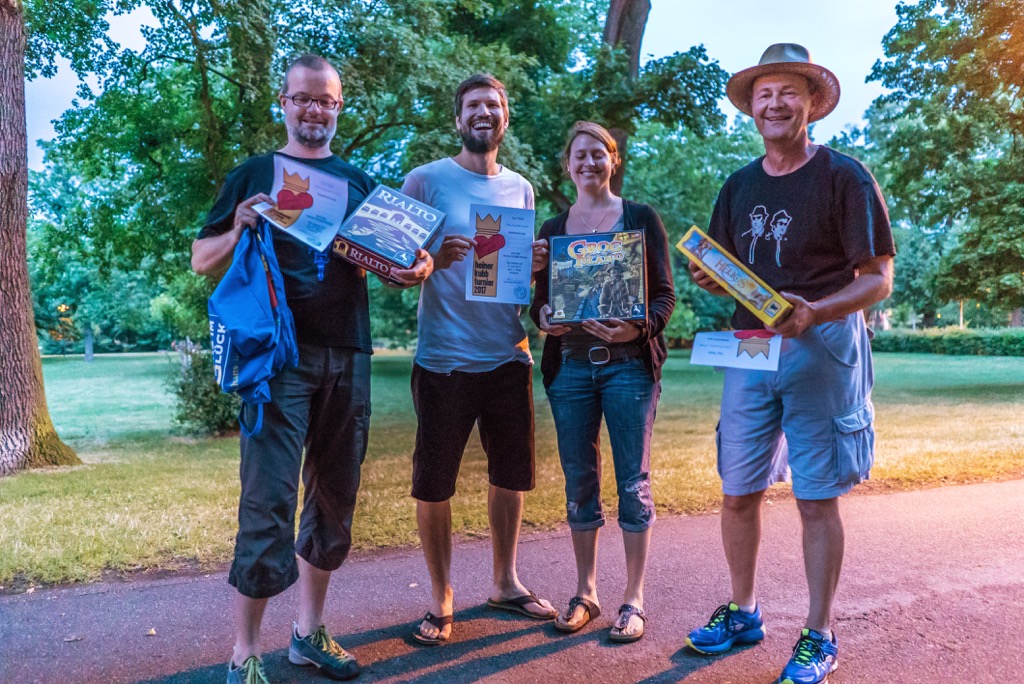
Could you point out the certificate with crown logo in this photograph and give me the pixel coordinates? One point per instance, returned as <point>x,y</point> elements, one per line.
<point>309,204</point>
<point>502,255</point>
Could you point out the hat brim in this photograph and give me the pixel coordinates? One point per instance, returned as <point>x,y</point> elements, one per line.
<point>740,87</point>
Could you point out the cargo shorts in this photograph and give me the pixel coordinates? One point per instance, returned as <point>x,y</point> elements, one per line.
<point>811,421</point>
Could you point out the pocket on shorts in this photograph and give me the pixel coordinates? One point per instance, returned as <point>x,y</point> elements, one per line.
<point>840,339</point>
<point>854,444</point>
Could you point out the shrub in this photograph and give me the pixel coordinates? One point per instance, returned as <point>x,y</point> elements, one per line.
<point>202,408</point>
<point>954,341</point>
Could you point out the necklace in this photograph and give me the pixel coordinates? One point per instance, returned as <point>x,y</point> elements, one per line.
<point>593,229</point>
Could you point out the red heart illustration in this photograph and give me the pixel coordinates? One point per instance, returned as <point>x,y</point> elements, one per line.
<point>288,200</point>
<point>748,334</point>
<point>488,245</point>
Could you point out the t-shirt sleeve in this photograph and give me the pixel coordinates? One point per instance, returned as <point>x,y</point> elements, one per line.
<point>864,217</point>
<point>527,195</point>
<point>413,187</point>
<point>222,216</point>
<point>720,228</point>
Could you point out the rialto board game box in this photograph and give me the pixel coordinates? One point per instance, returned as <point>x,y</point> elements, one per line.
<point>598,276</point>
<point>385,231</point>
<point>749,290</point>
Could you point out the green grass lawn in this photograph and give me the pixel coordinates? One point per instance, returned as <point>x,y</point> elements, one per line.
<point>147,499</point>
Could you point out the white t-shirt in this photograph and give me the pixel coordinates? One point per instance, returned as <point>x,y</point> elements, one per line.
<point>455,334</point>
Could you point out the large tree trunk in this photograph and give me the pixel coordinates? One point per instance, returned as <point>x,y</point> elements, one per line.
<point>27,437</point>
<point>624,28</point>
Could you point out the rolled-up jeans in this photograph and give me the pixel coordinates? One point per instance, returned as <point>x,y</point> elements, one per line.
<point>627,396</point>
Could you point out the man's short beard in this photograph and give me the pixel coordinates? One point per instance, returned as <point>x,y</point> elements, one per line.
<point>478,146</point>
<point>313,138</point>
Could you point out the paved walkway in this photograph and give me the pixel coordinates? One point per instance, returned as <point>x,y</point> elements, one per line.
<point>932,592</point>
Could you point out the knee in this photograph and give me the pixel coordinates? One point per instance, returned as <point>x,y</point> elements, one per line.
<point>746,504</point>
<point>819,512</point>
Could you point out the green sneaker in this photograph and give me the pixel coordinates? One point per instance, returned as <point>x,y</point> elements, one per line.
<point>320,650</point>
<point>250,672</point>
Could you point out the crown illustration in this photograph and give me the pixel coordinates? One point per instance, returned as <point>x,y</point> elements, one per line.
<point>295,182</point>
<point>487,224</point>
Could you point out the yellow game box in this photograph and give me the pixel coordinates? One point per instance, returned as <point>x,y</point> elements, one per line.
<point>749,290</point>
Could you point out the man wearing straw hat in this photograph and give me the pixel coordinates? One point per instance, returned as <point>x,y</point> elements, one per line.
<point>828,248</point>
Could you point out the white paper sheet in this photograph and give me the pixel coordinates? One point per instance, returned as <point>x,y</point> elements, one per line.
<point>750,349</point>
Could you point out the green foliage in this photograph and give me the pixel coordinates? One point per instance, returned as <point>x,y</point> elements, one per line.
<point>950,134</point>
<point>201,408</point>
<point>954,341</point>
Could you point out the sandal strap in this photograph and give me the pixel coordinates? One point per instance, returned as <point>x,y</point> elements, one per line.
<point>592,608</point>
<point>524,599</point>
<point>626,611</point>
<point>438,621</point>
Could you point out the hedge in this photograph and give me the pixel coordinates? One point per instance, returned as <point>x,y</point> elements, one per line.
<point>980,342</point>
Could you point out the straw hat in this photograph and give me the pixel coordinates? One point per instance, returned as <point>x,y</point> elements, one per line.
<point>786,58</point>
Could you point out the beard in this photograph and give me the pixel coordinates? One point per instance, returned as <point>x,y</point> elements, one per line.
<point>481,142</point>
<point>313,136</point>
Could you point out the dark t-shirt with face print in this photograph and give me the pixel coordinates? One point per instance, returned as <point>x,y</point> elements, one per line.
<point>803,233</point>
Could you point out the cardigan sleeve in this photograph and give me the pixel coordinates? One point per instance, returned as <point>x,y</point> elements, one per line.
<point>661,291</point>
<point>542,278</point>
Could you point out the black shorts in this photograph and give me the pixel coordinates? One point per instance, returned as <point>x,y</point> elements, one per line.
<point>447,406</point>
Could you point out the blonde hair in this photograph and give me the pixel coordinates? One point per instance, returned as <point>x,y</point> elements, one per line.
<point>598,133</point>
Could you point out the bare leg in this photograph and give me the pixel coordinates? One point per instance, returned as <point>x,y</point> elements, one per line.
<point>313,583</point>
<point>824,543</point>
<point>636,545</point>
<point>505,510</point>
<point>435,526</point>
<point>584,547</point>
<point>741,537</point>
<point>248,618</point>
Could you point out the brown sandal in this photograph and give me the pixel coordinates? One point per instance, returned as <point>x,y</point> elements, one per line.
<point>627,611</point>
<point>562,623</point>
<point>438,621</point>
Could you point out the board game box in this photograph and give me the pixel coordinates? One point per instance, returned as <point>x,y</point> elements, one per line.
<point>385,231</point>
<point>739,281</point>
<point>598,276</point>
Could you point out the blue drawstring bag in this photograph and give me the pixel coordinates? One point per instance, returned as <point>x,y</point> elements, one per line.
<point>252,331</point>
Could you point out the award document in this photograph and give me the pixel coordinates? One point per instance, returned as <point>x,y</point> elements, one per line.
<point>597,276</point>
<point>502,255</point>
<point>737,279</point>
<point>750,349</point>
<point>309,204</point>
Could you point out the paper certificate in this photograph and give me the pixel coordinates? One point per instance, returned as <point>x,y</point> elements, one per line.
<point>750,349</point>
<point>502,256</point>
<point>308,203</point>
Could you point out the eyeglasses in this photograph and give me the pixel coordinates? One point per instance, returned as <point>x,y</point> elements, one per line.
<point>305,101</point>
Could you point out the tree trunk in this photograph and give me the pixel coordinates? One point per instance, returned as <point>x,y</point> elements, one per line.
<point>1017,318</point>
<point>624,28</point>
<point>27,437</point>
<point>88,343</point>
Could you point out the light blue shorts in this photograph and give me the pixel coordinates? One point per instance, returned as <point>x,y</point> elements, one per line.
<point>812,418</point>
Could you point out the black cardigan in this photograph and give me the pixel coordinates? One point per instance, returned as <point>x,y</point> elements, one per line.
<point>661,292</point>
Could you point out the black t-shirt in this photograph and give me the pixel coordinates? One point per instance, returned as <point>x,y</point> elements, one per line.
<point>332,311</point>
<point>805,232</point>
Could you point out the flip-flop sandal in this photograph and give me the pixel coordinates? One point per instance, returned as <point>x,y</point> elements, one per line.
<point>627,611</point>
<point>438,622</point>
<point>593,611</point>
<point>518,605</point>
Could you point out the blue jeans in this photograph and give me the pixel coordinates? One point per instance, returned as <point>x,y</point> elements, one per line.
<point>627,396</point>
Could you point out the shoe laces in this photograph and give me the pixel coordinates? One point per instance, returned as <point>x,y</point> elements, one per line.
<point>807,650</point>
<point>719,616</point>
<point>323,641</point>
<point>253,671</point>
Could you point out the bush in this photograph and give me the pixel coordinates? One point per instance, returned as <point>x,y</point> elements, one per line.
<point>954,341</point>
<point>202,408</point>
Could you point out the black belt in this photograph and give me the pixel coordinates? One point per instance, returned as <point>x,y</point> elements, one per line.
<point>599,355</point>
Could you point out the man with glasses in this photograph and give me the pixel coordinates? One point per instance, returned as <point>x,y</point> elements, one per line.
<point>323,403</point>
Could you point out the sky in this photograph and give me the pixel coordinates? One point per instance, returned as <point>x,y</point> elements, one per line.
<point>844,37</point>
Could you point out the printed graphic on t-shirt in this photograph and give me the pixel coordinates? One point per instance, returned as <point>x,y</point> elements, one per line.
<point>779,227</point>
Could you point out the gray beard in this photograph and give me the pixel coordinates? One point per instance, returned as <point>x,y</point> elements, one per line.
<point>313,138</point>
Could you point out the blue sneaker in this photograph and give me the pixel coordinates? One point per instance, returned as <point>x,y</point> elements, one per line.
<point>249,672</point>
<point>814,658</point>
<point>727,627</point>
<point>320,650</point>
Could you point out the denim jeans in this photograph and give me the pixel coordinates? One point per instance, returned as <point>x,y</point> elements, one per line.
<point>627,396</point>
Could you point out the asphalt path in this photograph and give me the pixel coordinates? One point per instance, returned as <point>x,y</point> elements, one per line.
<point>932,591</point>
